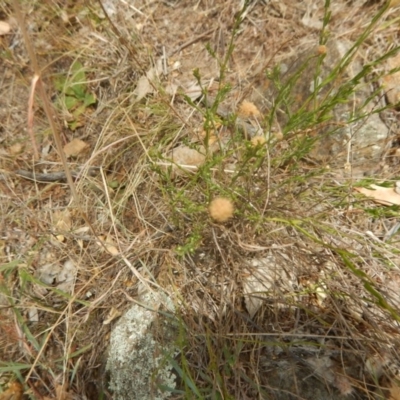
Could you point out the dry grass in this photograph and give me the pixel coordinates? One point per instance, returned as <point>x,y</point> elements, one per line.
<point>334,289</point>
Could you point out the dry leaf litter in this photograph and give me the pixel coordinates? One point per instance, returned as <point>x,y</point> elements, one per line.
<point>307,340</point>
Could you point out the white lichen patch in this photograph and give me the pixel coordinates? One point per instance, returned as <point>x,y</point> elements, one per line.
<point>137,361</point>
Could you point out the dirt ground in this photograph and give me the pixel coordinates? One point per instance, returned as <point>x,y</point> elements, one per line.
<point>70,265</point>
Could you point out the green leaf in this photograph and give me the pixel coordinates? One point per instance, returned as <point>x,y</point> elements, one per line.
<point>76,353</point>
<point>90,98</point>
<point>113,184</point>
<point>78,80</point>
<point>9,266</point>
<point>60,83</point>
<point>186,378</point>
<point>71,102</point>
<point>73,125</point>
<point>78,72</point>
<point>79,90</point>
<point>13,366</point>
<point>79,110</point>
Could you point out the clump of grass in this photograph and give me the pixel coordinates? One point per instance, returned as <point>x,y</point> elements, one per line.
<point>34,340</point>
<point>278,196</point>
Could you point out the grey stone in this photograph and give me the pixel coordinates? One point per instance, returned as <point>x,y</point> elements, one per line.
<point>138,360</point>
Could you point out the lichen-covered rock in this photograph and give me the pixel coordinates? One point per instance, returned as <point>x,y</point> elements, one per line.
<point>138,360</point>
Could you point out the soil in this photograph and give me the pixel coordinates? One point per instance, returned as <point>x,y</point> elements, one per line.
<point>42,227</point>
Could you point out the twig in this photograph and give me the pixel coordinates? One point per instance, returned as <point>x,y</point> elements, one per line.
<point>192,41</point>
<point>51,176</point>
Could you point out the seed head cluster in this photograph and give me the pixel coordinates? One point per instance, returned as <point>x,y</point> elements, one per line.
<point>221,209</point>
<point>248,109</point>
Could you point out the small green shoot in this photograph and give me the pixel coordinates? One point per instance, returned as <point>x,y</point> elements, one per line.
<point>76,96</point>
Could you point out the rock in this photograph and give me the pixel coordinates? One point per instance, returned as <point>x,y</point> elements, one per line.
<point>186,160</point>
<point>138,361</point>
<point>265,278</point>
